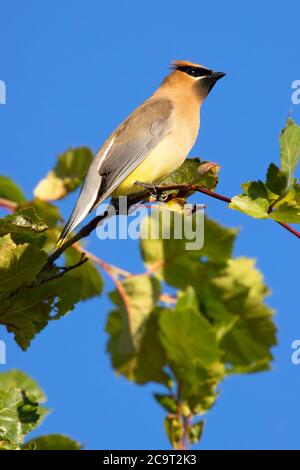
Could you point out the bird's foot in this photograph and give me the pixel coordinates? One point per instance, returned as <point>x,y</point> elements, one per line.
<point>150,187</point>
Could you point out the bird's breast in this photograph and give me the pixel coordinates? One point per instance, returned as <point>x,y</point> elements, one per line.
<point>166,157</point>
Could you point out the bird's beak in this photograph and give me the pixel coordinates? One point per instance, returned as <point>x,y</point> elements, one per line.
<point>217,75</point>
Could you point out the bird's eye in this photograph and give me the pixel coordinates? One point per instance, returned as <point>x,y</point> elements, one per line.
<point>194,71</point>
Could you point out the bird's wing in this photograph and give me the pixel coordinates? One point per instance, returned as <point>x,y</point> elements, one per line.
<point>134,140</point>
<point>122,152</point>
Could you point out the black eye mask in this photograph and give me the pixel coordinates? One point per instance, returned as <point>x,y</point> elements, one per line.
<point>194,71</point>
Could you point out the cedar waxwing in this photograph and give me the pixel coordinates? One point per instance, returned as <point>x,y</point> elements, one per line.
<point>151,143</point>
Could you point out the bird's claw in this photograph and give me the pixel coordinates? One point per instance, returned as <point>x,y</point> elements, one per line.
<point>150,187</point>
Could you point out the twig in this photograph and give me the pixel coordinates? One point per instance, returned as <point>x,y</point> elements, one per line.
<point>289,228</point>
<point>66,269</point>
<point>219,197</point>
<point>107,267</point>
<point>113,272</point>
<point>91,226</point>
<point>192,187</point>
<point>7,204</point>
<point>165,298</point>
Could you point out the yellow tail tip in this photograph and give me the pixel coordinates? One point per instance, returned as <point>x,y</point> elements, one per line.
<point>59,242</point>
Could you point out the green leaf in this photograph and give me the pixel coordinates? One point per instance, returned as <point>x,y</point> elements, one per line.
<point>133,344</point>
<point>151,357</point>
<point>242,290</point>
<point>208,175</point>
<point>16,379</point>
<point>290,149</point>
<point>168,402</point>
<point>254,201</point>
<point>20,411</point>
<point>139,294</point>
<point>287,213</point>
<point>198,370</point>
<point>67,175</point>
<point>22,221</point>
<point>25,226</point>
<point>52,442</point>
<point>288,208</point>
<point>187,336</point>
<point>29,310</point>
<point>9,190</point>
<point>88,274</point>
<point>195,432</point>
<point>193,171</point>
<point>18,415</point>
<point>174,430</point>
<point>19,264</point>
<point>170,258</point>
<point>48,212</point>
<point>198,385</point>
<point>276,180</point>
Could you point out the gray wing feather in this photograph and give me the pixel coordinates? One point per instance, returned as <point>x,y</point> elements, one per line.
<point>147,126</point>
<point>122,152</point>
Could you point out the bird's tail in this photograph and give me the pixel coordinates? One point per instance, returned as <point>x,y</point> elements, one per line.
<point>83,207</point>
<point>89,194</point>
<point>76,217</point>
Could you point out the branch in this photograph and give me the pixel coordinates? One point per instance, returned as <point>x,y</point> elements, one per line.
<point>7,204</point>
<point>92,225</point>
<point>186,188</point>
<point>199,189</point>
<point>82,233</point>
<point>289,228</point>
<point>66,269</point>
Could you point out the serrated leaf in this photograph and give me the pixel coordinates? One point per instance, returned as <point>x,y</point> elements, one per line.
<point>195,432</point>
<point>92,283</point>
<point>170,258</point>
<point>287,209</point>
<point>16,379</point>
<point>18,415</point>
<point>139,296</point>
<point>276,180</point>
<point>193,171</point>
<point>286,213</point>
<point>151,357</point>
<point>199,385</point>
<point>174,429</point>
<point>67,175</point>
<point>248,343</point>
<point>254,201</point>
<point>20,410</point>
<point>29,310</point>
<point>187,336</point>
<point>290,149</point>
<point>11,191</point>
<point>133,344</point>
<point>168,402</point>
<point>23,220</point>
<point>48,212</point>
<point>19,264</point>
<point>193,355</point>
<point>52,442</point>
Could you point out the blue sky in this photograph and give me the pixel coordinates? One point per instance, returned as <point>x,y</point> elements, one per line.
<point>73,71</point>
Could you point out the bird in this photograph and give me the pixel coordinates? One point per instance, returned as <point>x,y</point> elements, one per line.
<point>150,144</point>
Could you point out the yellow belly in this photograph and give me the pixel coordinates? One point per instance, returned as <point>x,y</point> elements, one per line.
<point>164,159</point>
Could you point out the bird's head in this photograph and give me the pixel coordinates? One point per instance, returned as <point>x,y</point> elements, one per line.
<point>202,79</point>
